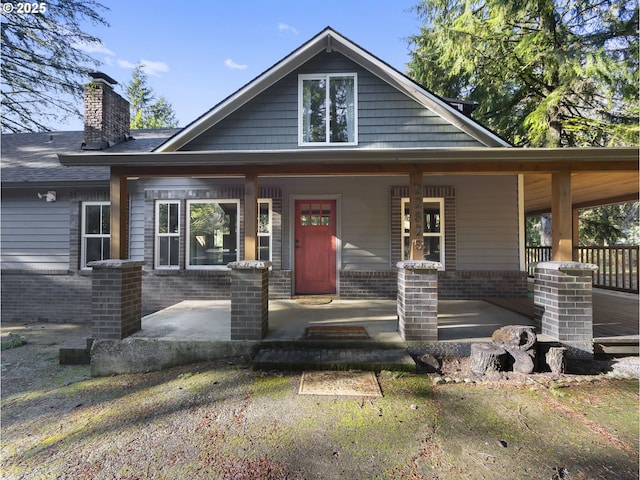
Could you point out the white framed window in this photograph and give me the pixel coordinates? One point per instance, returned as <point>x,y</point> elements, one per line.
<point>328,109</point>
<point>167,235</point>
<point>265,230</point>
<point>95,244</point>
<point>212,233</point>
<point>433,218</point>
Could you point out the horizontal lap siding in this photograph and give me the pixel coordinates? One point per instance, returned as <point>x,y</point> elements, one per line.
<point>487,223</point>
<point>387,118</point>
<point>35,233</point>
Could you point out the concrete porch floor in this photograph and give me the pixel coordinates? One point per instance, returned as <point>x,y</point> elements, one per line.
<point>201,320</point>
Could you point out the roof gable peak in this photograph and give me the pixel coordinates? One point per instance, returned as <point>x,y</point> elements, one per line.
<point>330,40</point>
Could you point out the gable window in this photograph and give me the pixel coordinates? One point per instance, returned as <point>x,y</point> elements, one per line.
<point>264,230</point>
<point>167,251</point>
<point>212,232</point>
<point>95,232</point>
<point>327,106</point>
<point>433,218</point>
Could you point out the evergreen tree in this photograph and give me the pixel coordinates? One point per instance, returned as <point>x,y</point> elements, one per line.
<point>145,112</point>
<point>43,66</point>
<point>544,72</point>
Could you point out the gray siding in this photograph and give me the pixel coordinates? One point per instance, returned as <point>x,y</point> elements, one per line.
<point>487,223</point>
<point>35,233</point>
<point>386,117</point>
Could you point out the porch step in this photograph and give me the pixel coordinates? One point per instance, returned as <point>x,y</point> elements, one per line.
<point>334,357</point>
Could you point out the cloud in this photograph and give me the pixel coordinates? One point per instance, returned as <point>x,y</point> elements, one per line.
<point>284,28</point>
<point>93,47</point>
<point>233,65</point>
<point>149,67</point>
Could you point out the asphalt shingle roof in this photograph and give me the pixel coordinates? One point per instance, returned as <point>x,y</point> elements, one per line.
<point>33,157</point>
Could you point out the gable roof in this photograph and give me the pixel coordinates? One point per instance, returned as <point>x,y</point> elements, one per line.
<point>330,40</point>
<point>33,157</point>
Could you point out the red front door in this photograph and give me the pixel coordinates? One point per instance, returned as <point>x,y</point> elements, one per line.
<point>315,247</point>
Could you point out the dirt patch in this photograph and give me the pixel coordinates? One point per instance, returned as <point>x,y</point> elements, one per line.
<point>222,420</point>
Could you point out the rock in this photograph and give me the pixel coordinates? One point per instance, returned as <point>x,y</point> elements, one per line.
<point>429,363</point>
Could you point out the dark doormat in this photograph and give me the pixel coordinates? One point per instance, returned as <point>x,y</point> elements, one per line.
<point>336,332</point>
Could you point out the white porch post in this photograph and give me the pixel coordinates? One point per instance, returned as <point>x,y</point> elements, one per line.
<point>416,216</point>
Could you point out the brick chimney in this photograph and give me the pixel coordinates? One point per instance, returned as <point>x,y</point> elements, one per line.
<point>106,114</point>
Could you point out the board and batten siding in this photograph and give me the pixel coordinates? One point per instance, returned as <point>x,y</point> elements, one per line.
<point>35,233</point>
<point>387,118</point>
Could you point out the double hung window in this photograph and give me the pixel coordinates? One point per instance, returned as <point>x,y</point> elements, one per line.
<point>167,234</point>
<point>95,232</point>
<point>327,106</point>
<point>433,233</point>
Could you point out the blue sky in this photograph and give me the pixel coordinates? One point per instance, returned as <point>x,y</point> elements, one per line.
<point>197,52</point>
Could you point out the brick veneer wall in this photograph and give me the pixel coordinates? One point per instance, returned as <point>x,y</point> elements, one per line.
<point>478,285</point>
<point>280,284</point>
<point>355,284</point>
<point>45,296</point>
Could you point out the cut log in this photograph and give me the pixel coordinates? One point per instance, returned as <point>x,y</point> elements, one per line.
<point>555,358</point>
<point>487,357</point>
<point>515,336</point>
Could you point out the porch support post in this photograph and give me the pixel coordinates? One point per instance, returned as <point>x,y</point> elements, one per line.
<point>563,306</point>
<point>561,216</point>
<point>119,217</point>
<point>251,217</point>
<point>116,298</point>
<point>418,300</point>
<point>416,216</point>
<point>249,299</point>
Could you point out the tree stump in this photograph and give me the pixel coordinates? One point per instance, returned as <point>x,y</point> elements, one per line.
<point>520,341</point>
<point>555,358</point>
<point>486,357</point>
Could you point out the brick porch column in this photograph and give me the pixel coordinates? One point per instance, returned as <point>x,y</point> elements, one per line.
<point>562,299</point>
<point>116,298</point>
<point>249,299</point>
<point>418,299</point>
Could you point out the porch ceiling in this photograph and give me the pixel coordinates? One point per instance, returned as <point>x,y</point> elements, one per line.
<point>587,189</point>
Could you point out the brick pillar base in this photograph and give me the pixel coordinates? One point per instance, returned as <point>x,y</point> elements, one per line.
<point>249,299</point>
<point>563,304</point>
<point>116,298</point>
<point>418,300</point>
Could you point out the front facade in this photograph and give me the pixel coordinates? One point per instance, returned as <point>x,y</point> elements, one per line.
<point>331,165</point>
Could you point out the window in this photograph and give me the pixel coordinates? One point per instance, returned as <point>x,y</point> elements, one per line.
<point>433,217</point>
<point>167,251</point>
<point>212,236</point>
<point>327,109</point>
<point>264,230</point>
<point>95,232</point>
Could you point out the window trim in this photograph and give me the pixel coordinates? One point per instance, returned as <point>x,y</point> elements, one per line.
<point>187,262</point>
<point>84,236</point>
<point>441,201</point>
<point>327,77</point>
<point>269,203</point>
<point>157,235</point>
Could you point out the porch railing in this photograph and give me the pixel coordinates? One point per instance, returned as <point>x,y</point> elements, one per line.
<point>618,267</point>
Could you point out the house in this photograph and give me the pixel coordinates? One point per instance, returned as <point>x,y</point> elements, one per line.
<point>331,165</point>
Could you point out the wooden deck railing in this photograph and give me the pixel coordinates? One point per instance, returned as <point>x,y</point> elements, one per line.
<point>618,267</point>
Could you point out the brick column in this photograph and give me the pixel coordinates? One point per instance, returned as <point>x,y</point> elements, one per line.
<point>116,298</point>
<point>563,304</point>
<point>418,300</point>
<point>249,299</point>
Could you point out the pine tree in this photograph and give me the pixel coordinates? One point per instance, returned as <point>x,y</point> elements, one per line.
<point>145,113</point>
<point>544,72</point>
